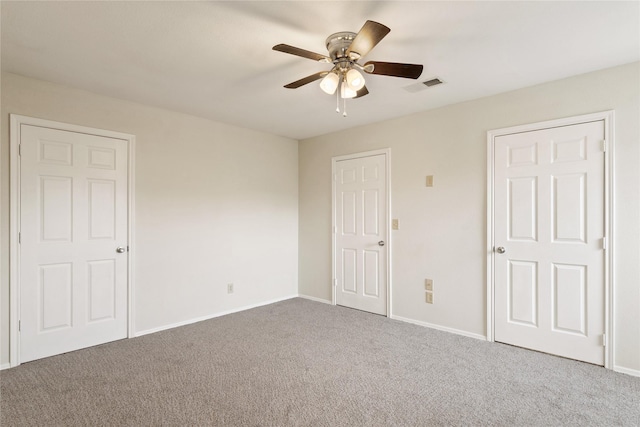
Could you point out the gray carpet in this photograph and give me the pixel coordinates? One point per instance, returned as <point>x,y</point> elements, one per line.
<point>303,363</point>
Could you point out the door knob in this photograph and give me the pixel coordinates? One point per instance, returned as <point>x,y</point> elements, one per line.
<point>381,243</point>
<point>120,249</point>
<point>501,249</point>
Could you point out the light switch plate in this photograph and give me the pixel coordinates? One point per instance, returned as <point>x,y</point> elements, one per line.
<point>394,224</point>
<point>428,285</point>
<point>429,299</point>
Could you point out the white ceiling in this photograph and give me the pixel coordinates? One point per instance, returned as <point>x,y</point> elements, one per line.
<point>214,59</point>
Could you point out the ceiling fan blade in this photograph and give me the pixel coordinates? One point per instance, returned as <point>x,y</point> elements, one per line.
<point>367,38</point>
<point>408,71</point>
<point>308,79</point>
<point>301,52</point>
<point>362,92</point>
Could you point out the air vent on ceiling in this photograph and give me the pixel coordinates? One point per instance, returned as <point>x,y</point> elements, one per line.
<point>432,82</point>
<point>417,87</point>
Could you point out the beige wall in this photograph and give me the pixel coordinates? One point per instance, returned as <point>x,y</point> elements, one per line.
<point>213,201</point>
<point>442,231</point>
<point>214,204</point>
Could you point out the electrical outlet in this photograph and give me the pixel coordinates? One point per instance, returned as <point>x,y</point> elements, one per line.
<point>394,224</point>
<point>428,285</point>
<point>229,288</point>
<point>429,298</point>
<point>429,180</point>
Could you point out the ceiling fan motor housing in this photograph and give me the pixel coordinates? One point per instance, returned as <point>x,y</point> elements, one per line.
<point>337,45</point>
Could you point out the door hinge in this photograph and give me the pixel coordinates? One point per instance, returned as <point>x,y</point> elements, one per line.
<point>19,325</point>
<point>604,145</point>
<point>19,149</point>
<point>604,243</point>
<point>604,340</point>
<point>335,282</point>
<point>19,237</point>
<point>335,230</point>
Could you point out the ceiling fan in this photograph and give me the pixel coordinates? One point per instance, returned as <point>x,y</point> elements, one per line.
<point>345,49</point>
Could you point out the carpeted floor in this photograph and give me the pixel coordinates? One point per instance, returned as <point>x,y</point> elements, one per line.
<point>303,363</point>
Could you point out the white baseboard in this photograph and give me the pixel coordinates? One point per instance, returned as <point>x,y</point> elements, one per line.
<point>5,366</point>
<point>211,316</point>
<point>325,301</point>
<point>441,328</point>
<point>628,371</point>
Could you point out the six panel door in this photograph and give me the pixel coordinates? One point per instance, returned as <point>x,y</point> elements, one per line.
<point>549,230</point>
<point>73,217</point>
<point>361,229</point>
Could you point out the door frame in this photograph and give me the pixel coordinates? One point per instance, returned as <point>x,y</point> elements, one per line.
<point>334,160</point>
<point>16,122</point>
<point>609,300</point>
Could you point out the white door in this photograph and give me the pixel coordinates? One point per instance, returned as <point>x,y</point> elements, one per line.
<point>549,229</point>
<point>73,217</point>
<point>360,209</point>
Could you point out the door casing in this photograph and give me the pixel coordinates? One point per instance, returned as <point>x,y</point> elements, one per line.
<point>608,117</point>
<point>16,121</point>
<point>334,160</point>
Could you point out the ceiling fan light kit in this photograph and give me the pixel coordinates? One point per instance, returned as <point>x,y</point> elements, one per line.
<point>345,49</point>
<point>347,92</point>
<point>329,83</point>
<point>355,79</point>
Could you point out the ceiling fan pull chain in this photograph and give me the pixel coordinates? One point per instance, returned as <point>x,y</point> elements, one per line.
<point>344,107</point>
<point>338,101</point>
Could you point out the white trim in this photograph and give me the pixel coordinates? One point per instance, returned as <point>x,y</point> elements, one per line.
<point>608,118</point>
<point>489,248</point>
<point>14,215</point>
<point>627,371</point>
<point>322,300</point>
<point>132,244</point>
<point>609,282</point>
<point>16,121</point>
<point>213,316</point>
<point>441,328</point>
<point>388,240</point>
<point>5,366</point>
